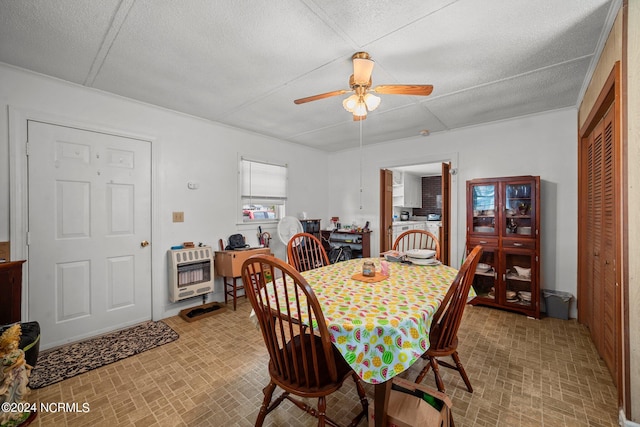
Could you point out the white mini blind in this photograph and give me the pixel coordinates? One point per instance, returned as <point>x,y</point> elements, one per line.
<point>263,183</point>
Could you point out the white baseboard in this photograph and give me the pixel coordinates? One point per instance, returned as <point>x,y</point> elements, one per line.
<point>624,422</point>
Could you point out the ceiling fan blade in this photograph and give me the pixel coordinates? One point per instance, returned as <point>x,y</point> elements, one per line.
<point>321,96</point>
<point>420,90</point>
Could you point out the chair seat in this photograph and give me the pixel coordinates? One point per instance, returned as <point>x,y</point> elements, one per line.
<point>439,351</point>
<point>324,384</point>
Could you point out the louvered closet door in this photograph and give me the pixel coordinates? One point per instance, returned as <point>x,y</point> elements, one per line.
<point>602,304</point>
<point>607,260</point>
<point>595,221</point>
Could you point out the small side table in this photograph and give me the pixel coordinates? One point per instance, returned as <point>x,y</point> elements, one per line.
<point>228,265</point>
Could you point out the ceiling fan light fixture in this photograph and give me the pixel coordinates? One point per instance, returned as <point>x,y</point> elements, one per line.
<point>350,103</point>
<point>371,101</point>
<point>362,100</point>
<point>361,109</point>
<point>362,68</point>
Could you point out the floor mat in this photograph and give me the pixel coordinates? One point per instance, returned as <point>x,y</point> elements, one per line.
<point>77,358</point>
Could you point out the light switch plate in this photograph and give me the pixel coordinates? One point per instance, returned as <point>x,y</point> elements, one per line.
<point>178,217</point>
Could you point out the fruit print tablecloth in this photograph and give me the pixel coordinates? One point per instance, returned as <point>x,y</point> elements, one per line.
<point>380,328</point>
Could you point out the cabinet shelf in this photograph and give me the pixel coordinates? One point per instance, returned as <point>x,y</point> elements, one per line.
<point>487,274</point>
<point>518,278</point>
<point>361,247</point>
<point>407,190</point>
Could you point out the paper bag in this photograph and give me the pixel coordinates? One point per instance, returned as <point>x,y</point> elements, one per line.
<point>407,410</point>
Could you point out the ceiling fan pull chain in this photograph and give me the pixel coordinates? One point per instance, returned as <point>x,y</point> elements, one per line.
<point>361,164</point>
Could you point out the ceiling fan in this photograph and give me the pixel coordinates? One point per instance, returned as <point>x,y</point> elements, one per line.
<point>363,100</point>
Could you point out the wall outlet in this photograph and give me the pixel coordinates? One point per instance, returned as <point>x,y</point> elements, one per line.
<point>178,217</point>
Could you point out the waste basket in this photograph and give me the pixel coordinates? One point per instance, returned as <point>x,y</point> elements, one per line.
<point>557,303</point>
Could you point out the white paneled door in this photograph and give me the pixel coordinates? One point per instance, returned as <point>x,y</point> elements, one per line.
<point>89,221</point>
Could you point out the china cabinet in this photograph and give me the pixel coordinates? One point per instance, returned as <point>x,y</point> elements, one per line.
<point>503,216</point>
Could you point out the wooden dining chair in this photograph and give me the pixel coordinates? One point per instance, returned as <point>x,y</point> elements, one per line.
<point>443,335</point>
<point>305,252</point>
<point>417,239</point>
<point>302,360</point>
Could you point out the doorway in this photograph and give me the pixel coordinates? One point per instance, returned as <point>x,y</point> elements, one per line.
<point>431,199</point>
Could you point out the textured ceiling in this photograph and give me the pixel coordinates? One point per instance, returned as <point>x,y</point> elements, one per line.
<point>243,63</point>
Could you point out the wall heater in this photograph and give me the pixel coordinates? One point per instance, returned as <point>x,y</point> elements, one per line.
<point>190,272</point>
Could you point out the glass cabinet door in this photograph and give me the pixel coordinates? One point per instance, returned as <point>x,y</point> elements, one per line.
<point>483,205</point>
<point>519,210</point>
<point>518,277</point>
<point>484,281</point>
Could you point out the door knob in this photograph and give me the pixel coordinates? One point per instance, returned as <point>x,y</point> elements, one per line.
<point>144,244</point>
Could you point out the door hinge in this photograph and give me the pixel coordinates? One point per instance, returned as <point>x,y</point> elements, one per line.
<point>28,238</point>
<point>26,148</point>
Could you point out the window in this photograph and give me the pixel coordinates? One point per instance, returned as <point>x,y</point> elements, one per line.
<point>263,190</point>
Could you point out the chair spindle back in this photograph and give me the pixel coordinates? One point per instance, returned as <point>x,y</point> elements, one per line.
<point>417,239</point>
<point>305,252</point>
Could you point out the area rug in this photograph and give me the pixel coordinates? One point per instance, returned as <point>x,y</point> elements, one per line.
<point>77,358</point>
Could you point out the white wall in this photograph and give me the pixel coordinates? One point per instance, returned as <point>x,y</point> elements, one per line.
<point>544,145</point>
<point>192,149</point>
<point>186,149</point>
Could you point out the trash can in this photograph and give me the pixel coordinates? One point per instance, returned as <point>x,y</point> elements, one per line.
<point>557,303</point>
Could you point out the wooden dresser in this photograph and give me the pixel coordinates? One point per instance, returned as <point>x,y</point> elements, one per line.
<point>11,291</point>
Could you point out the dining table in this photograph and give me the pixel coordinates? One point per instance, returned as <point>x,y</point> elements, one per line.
<point>380,324</point>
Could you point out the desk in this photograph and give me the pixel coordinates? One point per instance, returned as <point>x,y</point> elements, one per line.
<point>380,328</point>
<point>228,264</point>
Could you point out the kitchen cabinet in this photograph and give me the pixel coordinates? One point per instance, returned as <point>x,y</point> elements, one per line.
<point>359,241</point>
<point>434,227</point>
<point>503,216</point>
<point>407,190</point>
<point>400,227</point>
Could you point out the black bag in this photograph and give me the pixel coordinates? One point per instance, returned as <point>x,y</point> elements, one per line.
<point>340,253</point>
<point>236,241</point>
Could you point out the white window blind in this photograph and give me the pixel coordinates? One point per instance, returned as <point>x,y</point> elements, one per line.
<point>263,183</point>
